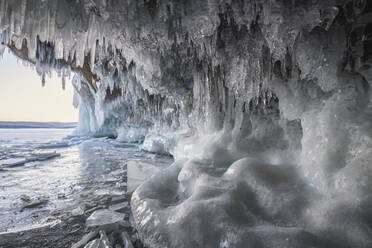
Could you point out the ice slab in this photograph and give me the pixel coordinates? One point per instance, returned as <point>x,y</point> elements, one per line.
<point>119,207</point>
<point>93,244</point>
<point>102,242</point>
<point>126,240</point>
<point>32,227</point>
<point>104,239</point>
<point>11,162</point>
<point>54,145</point>
<point>105,218</point>
<point>138,172</point>
<point>118,199</point>
<point>102,192</point>
<point>42,156</point>
<point>85,239</point>
<point>35,202</point>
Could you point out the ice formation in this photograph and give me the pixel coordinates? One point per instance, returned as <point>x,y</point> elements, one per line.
<point>264,104</point>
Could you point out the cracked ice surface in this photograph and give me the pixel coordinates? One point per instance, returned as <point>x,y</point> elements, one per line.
<point>265,106</point>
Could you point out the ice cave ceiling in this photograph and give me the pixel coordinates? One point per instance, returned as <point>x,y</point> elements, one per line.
<point>265,105</point>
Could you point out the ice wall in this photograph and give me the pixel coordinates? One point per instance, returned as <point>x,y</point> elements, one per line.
<point>265,105</point>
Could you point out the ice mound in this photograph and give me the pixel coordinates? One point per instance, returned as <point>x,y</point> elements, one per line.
<point>131,134</point>
<point>157,144</point>
<point>190,204</point>
<point>160,142</point>
<point>138,172</point>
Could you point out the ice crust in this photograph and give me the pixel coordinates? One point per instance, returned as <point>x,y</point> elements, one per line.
<point>265,106</point>
<point>251,203</point>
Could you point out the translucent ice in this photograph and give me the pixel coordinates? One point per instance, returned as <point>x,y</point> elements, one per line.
<point>104,218</point>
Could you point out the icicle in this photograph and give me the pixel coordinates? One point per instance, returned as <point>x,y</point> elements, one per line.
<point>63,82</point>
<point>43,80</point>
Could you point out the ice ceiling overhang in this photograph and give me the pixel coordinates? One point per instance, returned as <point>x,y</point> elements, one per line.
<point>265,105</point>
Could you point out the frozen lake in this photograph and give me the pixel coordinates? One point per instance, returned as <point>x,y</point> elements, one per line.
<point>62,175</point>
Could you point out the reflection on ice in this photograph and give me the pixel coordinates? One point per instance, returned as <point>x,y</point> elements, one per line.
<point>73,180</point>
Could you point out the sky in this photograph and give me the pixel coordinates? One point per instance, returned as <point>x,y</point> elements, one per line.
<point>22,98</point>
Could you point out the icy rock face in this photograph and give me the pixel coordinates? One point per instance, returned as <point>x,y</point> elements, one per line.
<point>265,105</point>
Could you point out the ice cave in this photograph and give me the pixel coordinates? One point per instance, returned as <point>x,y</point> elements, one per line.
<point>265,106</point>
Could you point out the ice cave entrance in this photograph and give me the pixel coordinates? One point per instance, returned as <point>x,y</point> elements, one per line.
<point>33,95</point>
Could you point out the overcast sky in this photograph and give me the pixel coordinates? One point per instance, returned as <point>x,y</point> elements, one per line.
<point>22,98</point>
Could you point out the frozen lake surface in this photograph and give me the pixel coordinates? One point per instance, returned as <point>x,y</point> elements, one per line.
<point>49,175</point>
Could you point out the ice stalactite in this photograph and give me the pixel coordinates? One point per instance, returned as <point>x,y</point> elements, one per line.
<point>265,106</point>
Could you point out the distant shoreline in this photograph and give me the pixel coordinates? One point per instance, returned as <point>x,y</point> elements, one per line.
<point>30,124</point>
